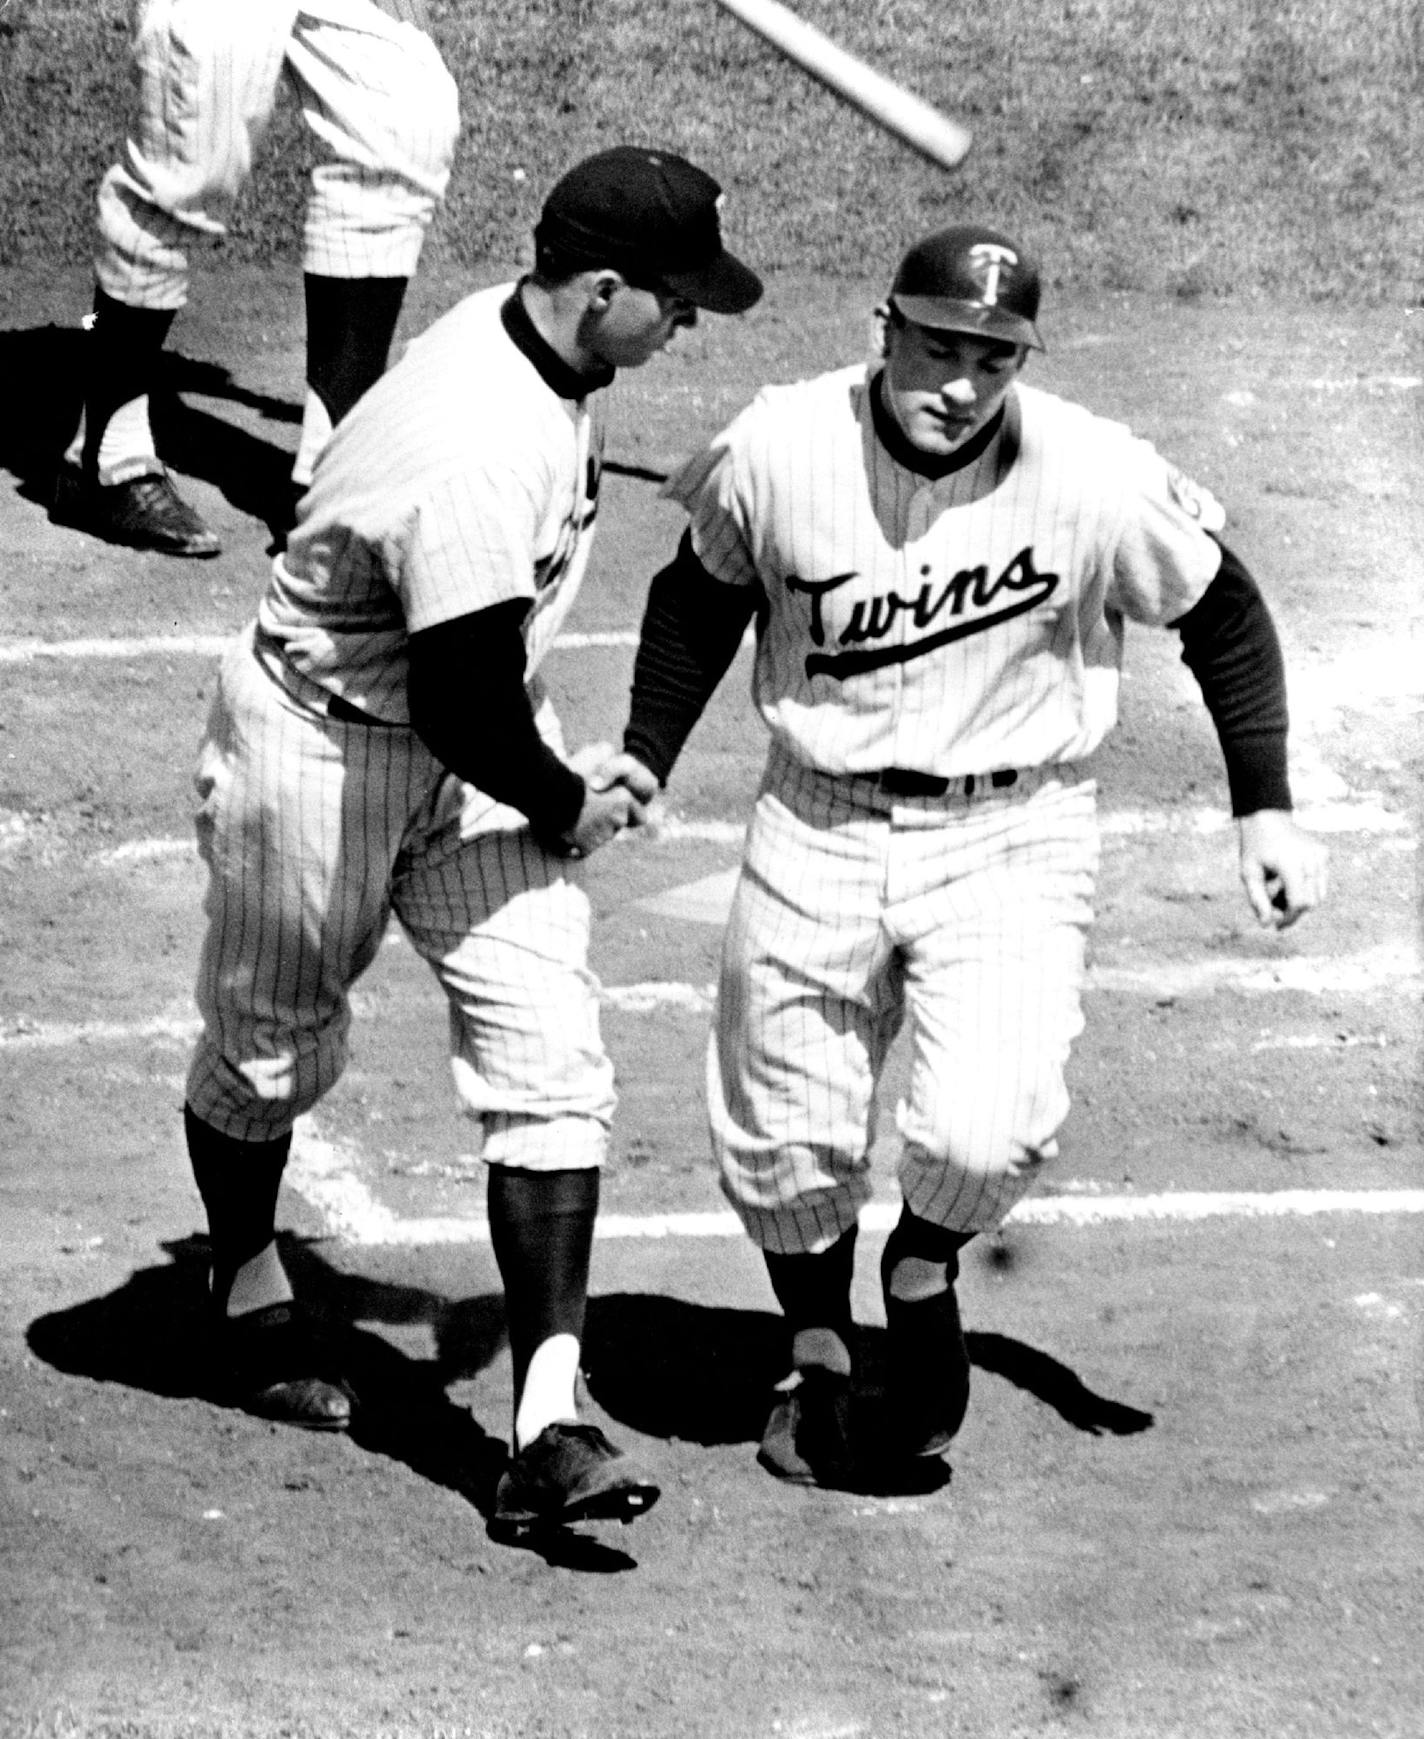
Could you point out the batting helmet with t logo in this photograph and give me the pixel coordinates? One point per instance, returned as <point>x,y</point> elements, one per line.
<point>970,279</point>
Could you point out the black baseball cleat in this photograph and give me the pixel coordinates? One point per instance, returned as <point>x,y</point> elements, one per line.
<point>570,1473</point>
<point>807,1439</point>
<point>144,512</point>
<point>273,1366</point>
<point>927,1374</point>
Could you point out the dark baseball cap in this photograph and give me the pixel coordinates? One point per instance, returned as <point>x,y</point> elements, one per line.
<point>655,218</point>
<point>970,279</point>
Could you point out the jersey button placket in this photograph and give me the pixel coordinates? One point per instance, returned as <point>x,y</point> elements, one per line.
<point>918,518</point>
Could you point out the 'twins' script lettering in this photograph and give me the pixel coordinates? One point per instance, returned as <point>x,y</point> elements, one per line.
<point>872,619</point>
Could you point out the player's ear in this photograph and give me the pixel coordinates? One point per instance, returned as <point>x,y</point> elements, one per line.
<point>881,327</point>
<point>603,286</point>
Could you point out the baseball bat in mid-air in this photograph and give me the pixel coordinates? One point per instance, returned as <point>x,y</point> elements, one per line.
<point>899,111</point>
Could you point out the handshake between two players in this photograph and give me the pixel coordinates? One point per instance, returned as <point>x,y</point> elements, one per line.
<point>619,793</point>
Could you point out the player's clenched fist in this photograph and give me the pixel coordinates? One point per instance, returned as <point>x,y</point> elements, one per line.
<point>1283,868</point>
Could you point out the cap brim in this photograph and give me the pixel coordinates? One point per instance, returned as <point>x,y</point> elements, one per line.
<point>942,314</point>
<point>724,286</point>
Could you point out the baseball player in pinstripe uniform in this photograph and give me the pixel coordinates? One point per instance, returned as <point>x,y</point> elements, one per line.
<point>383,112</point>
<point>941,560</point>
<point>380,742</point>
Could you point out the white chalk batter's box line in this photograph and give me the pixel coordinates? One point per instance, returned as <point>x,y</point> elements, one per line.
<point>1378,677</point>
<point>1364,817</point>
<point>1386,967</point>
<point>215,645</point>
<point>1389,670</point>
<point>1388,674</point>
<point>325,1176</point>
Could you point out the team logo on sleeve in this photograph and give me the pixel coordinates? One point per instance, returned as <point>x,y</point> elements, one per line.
<point>972,601</point>
<point>1197,503</point>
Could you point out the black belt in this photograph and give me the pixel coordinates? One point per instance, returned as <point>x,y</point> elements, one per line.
<point>906,782</point>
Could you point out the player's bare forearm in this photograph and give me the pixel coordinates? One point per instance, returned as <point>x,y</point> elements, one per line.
<point>1284,869</point>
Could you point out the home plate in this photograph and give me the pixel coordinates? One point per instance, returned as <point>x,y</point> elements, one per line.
<point>706,901</point>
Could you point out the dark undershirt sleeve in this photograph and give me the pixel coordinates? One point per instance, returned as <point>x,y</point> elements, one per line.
<point>469,706</point>
<point>692,627</point>
<point>1229,644</point>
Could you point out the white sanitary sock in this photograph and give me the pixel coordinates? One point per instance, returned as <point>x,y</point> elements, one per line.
<point>548,1388</point>
<point>822,1347</point>
<point>260,1281</point>
<point>316,432</point>
<point>914,1278</point>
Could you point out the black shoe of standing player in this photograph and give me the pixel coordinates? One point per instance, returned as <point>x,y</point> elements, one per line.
<point>569,1473</point>
<point>927,1373</point>
<point>144,512</point>
<point>807,1440</point>
<point>273,1365</point>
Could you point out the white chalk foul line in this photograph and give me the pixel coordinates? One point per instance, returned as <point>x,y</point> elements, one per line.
<point>24,1034</point>
<point>148,646</point>
<point>1371,969</point>
<point>1363,814</point>
<point>324,1175</point>
<point>214,645</point>
<point>673,830</point>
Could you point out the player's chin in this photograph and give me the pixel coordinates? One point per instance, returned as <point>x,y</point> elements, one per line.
<point>936,437</point>
<point>635,355</point>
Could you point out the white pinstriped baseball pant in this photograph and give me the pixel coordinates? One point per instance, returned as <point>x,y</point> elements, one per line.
<point>965,917</point>
<point>375,95</point>
<point>316,831</point>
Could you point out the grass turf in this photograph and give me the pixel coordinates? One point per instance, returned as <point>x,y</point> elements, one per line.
<point>1234,148</point>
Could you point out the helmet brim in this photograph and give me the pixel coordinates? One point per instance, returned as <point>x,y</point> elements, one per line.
<point>944,314</point>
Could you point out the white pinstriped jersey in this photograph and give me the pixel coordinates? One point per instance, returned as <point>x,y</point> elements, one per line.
<point>461,480</point>
<point>952,626</point>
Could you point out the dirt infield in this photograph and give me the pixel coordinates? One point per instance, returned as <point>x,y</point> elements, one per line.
<point>1186,1504</point>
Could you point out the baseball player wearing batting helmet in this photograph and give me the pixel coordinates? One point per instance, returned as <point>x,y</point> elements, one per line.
<point>383,113</point>
<point>380,742</point>
<point>941,560</point>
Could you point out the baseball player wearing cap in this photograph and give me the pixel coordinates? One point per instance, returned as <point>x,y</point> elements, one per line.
<point>941,560</point>
<point>382,111</point>
<point>380,742</point>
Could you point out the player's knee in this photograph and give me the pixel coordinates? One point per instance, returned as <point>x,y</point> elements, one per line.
<point>970,1157</point>
<point>265,1092</point>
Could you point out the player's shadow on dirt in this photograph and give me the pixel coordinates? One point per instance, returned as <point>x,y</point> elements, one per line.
<point>150,1334</point>
<point>660,1366</point>
<point>42,370</point>
<point>704,1373</point>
